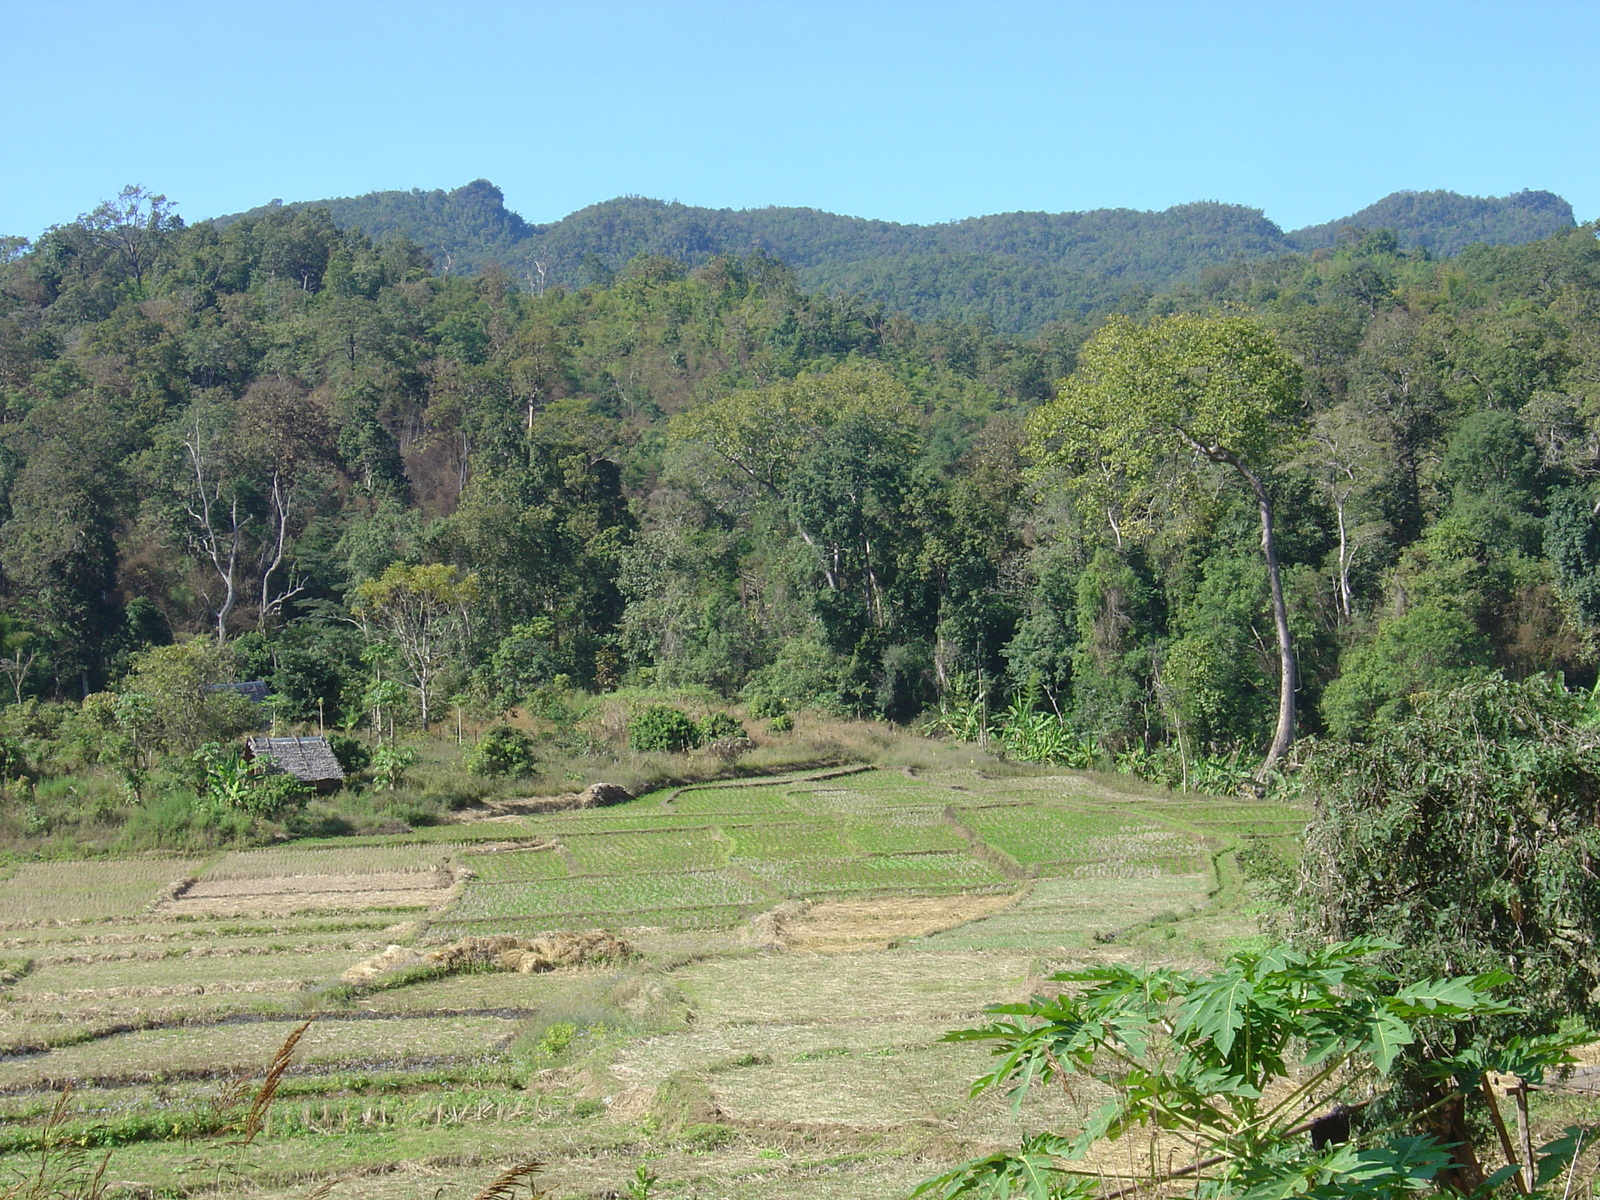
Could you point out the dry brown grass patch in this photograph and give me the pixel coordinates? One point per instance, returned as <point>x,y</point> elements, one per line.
<point>283,894</point>
<point>841,926</point>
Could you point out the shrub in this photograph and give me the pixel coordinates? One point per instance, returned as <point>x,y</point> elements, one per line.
<point>353,754</point>
<point>662,727</point>
<point>274,794</point>
<point>390,764</point>
<point>229,780</point>
<point>766,705</point>
<point>719,726</point>
<point>504,750</point>
<point>178,820</point>
<point>14,760</point>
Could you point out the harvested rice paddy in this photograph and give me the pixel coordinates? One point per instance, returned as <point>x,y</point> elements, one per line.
<point>803,943</point>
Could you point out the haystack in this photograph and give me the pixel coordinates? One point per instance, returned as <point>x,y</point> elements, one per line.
<point>393,958</point>
<point>551,950</point>
<point>598,795</point>
<point>767,930</point>
<point>501,952</point>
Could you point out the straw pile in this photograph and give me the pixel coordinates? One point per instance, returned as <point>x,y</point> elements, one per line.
<point>544,952</point>
<point>769,930</point>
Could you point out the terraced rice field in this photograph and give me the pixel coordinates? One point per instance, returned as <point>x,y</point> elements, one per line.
<point>796,1055</point>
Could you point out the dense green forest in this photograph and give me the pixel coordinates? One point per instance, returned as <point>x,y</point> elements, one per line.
<point>351,467</point>
<point>1020,271</point>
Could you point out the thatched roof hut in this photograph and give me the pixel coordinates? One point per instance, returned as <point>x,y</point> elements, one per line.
<point>309,759</point>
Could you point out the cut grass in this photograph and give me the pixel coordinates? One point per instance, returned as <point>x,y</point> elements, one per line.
<point>288,970</point>
<point>224,1048</point>
<point>1073,913</point>
<point>88,891</point>
<point>824,1064</point>
<point>333,860</point>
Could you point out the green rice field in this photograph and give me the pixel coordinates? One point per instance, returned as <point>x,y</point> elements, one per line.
<point>800,946</point>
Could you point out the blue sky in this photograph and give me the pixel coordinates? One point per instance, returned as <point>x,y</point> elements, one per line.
<point>916,112</point>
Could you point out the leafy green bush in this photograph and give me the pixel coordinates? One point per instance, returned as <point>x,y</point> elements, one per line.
<point>275,793</point>
<point>664,728</point>
<point>229,780</point>
<point>1032,736</point>
<point>390,763</point>
<point>716,726</point>
<point>764,704</point>
<point>354,755</point>
<point>504,750</point>
<point>14,760</point>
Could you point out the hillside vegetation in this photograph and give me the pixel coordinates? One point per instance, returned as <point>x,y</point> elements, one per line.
<point>389,491</point>
<point>1018,271</point>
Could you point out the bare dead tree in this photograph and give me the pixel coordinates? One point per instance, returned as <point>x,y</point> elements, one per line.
<point>217,537</point>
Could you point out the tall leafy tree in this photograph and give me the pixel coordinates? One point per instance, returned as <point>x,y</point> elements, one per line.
<point>1148,402</point>
<point>423,613</point>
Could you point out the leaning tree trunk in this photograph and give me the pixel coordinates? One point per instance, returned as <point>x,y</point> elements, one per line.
<point>1283,736</point>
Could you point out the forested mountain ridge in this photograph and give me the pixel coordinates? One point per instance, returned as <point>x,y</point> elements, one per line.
<point>1017,270</point>
<point>1446,223</point>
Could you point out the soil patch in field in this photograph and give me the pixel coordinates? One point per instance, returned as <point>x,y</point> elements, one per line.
<point>840,926</point>
<point>282,894</point>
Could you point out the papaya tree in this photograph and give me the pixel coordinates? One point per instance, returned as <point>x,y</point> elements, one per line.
<point>1271,1076</point>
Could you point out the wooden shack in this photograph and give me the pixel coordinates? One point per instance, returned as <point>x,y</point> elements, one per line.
<point>309,759</point>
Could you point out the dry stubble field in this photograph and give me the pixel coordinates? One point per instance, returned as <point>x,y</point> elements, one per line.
<point>802,944</point>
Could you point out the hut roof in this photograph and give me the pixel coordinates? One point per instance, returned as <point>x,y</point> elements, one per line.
<point>307,758</point>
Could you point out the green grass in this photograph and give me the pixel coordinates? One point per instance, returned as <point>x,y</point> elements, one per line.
<point>617,895</point>
<point>1037,834</point>
<point>757,800</point>
<point>849,797</point>
<point>507,866</point>
<point>927,874</point>
<point>906,832</point>
<point>619,853</point>
<point>787,839</point>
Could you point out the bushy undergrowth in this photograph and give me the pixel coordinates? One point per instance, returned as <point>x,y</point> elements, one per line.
<point>662,727</point>
<point>504,750</point>
<point>561,741</point>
